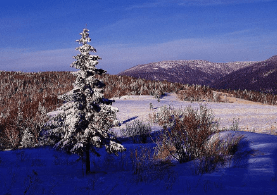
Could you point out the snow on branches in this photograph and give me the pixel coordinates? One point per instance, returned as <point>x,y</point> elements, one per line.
<point>82,123</point>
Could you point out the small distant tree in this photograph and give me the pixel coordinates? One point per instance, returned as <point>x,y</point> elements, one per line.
<point>82,123</point>
<point>151,106</point>
<point>28,139</point>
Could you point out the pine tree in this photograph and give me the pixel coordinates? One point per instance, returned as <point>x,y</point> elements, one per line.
<point>82,123</point>
<point>28,139</point>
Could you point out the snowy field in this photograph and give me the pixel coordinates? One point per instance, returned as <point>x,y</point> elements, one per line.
<point>251,116</point>
<point>253,169</point>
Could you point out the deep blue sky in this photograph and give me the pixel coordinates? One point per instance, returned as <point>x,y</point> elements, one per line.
<point>39,35</point>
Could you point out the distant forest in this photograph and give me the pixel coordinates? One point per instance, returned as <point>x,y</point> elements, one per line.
<point>25,98</point>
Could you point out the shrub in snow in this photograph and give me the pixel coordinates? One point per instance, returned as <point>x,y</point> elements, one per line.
<point>28,139</point>
<point>12,138</point>
<point>141,162</point>
<point>235,125</point>
<point>217,151</point>
<point>81,124</point>
<point>185,132</point>
<point>138,131</point>
<point>146,169</point>
<point>189,134</point>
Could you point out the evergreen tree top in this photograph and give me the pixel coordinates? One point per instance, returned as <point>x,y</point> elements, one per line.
<point>85,37</point>
<point>85,61</point>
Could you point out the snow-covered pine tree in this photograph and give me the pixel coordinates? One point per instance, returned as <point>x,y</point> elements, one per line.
<point>82,123</point>
<point>28,139</point>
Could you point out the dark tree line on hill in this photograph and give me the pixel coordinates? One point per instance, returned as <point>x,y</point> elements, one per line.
<point>260,76</point>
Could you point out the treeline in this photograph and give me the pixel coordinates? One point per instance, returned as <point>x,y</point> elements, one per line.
<point>117,86</point>
<point>25,98</point>
<point>255,96</point>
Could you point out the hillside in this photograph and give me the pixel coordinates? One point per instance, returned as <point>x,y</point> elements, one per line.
<point>185,71</point>
<point>260,76</point>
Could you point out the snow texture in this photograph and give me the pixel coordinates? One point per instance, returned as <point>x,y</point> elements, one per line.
<point>251,117</point>
<point>44,170</point>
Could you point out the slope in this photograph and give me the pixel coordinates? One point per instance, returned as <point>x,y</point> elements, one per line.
<point>185,71</point>
<point>260,76</point>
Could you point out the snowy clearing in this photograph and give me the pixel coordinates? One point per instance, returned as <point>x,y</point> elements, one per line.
<point>253,169</point>
<point>253,117</point>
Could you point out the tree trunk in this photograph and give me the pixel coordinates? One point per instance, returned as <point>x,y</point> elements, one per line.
<point>87,160</point>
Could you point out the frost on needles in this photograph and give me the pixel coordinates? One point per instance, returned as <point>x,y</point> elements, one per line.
<point>82,123</point>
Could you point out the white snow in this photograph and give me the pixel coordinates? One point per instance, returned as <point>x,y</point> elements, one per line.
<point>253,169</point>
<point>252,117</point>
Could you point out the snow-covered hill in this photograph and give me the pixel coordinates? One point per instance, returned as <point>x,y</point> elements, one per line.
<point>260,76</point>
<point>252,171</point>
<point>185,71</point>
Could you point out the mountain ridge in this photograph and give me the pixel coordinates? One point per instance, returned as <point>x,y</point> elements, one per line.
<point>250,75</point>
<point>185,71</point>
<point>260,76</point>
